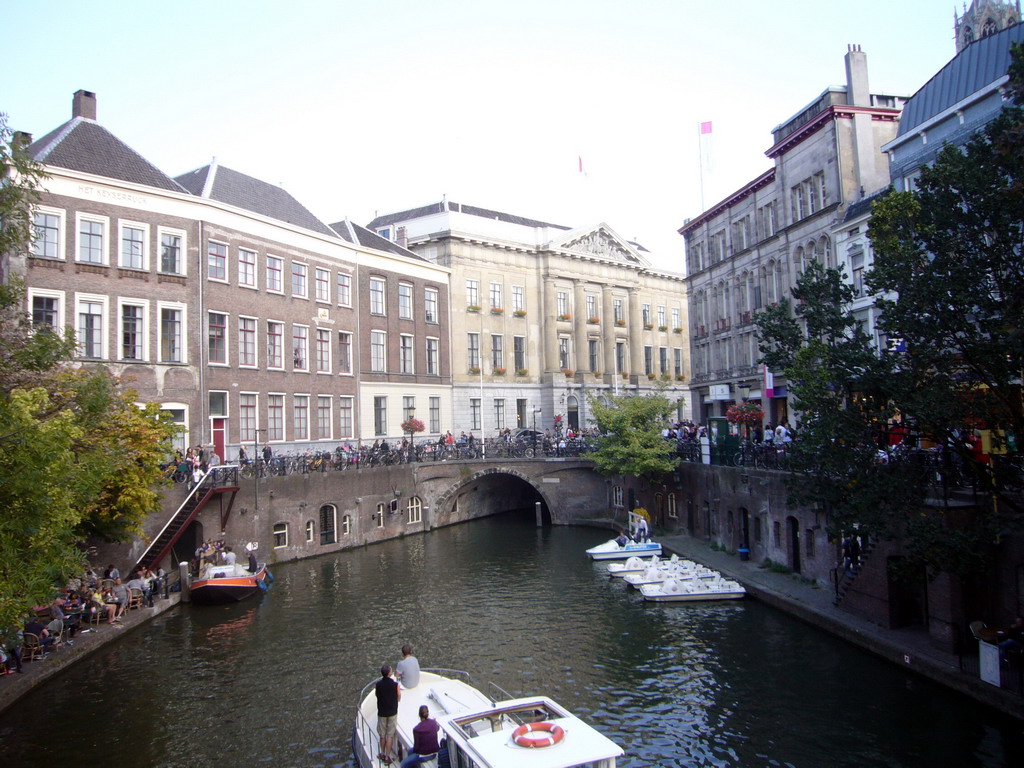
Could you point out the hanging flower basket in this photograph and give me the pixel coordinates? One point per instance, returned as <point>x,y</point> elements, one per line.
<point>747,414</point>
<point>519,313</point>
<point>412,426</point>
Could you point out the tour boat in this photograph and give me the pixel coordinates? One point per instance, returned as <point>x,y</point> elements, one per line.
<point>693,590</point>
<point>219,584</point>
<point>478,732</point>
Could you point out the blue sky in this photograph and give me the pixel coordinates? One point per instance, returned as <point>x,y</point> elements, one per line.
<point>375,106</point>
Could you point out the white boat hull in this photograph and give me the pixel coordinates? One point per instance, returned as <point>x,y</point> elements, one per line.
<point>694,591</point>
<point>612,551</point>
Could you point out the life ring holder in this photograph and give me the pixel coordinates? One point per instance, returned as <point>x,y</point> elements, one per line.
<point>555,734</point>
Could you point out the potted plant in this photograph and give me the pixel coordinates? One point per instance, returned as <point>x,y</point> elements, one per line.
<point>593,320</point>
<point>497,311</point>
<point>680,377</point>
<point>650,376</point>
<point>746,414</point>
<point>565,316</point>
<point>624,374</point>
<point>662,327</point>
<point>473,308</point>
<point>474,369</point>
<point>522,372</point>
<point>519,313</point>
<point>648,326</point>
<point>498,371</point>
<point>677,330</point>
<point>620,323</point>
<point>568,371</point>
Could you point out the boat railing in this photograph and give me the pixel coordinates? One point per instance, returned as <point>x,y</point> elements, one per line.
<point>503,695</point>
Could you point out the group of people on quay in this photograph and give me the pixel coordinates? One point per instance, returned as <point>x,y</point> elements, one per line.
<point>216,552</point>
<point>425,745</point>
<point>80,606</point>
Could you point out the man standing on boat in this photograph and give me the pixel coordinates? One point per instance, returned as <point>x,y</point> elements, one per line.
<point>408,669</point>
<point>388,694</point>
<point>424,740</point>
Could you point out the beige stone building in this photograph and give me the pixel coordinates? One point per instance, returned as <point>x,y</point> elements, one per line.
<point>746,252</point>
<point>544,316</point>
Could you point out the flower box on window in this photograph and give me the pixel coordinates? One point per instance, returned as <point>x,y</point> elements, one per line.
<point>650,376</point>
<point>497,311</point>
<point>568,371</point>
<point>680,377</point>
<point>565,316</point>
<point>648,326</point>
<point>473,308</point>
<point>665,377</point>
<point>522,372</point>
<point>662,327</point>
<point>624,374</point>
<point>620,323</point>
<point>498,371</point>
<point>519,313</point>
<point>593,320</point>
<point>474,369</point>
<point>677,330</point>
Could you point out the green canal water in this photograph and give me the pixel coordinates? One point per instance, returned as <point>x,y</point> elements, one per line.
<point>274,681</point>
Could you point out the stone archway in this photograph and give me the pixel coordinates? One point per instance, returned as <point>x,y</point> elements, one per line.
<point>490,492</point>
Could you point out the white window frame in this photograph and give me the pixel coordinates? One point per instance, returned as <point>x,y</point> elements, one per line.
<point>180,439</point>
<point>281,413</point>
<point>378,298</point>
<point>297,432</point>
<point>254,285</point>
<point>122,225</point>
<point>518,298</point>
<point>279,261</point>
<point>122,302</point>
<point>160,307</point>
<point>346,404</point>
<point>271,365</point>
<point>242,437</point>
<point>255,342</point>
<point>61,215</point>
<point>305,351</point>
<point>347,358</point>
<point>431,303</point>
<point>433,356</point>
<point>103,221</point>
<point>299,268</point>
<point>182,250</point>
<point>406,310</point>
<point>330,417</point>
<point>319,272</point>
<point>280,530</point>
<point>346,279</point>
<point>323,333</point>
<point>414,510</point>
<point>406,344</point>
<point>104,302</point>
<point>381,365</point>
<point>45,293</point>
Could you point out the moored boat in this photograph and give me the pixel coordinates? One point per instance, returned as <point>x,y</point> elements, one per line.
<point>658,573</point>
<point>479,732</point>
<point>633,564</point>
<point>220,584</point>
<point>693,590</point>
<point>634,543</point>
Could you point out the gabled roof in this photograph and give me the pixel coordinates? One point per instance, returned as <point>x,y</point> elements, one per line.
<point>979,64</point>
<point>215,182</point>
<point>471,210</point>
<point>357,235</point>
<point>601,241</point>
<point>84,145</point>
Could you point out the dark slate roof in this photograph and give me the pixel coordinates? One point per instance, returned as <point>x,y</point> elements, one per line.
<point>863,206</point>
<point>472,210</point>
<point>353,233</point>
<point>216,182</point>
<point>980,63</point>
<point>84,145</point>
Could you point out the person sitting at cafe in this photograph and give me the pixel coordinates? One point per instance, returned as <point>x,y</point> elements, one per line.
<point>120,592</point>
<point>58,614</point>
<point>45,638</point>
<point>10,642</point>
<point>104,601</point>
<point>137,582</point>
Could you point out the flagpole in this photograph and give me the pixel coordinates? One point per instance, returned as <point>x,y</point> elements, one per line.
<point>700,156</point>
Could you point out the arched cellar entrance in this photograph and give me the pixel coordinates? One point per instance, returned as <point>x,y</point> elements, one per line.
<point>494,493</point>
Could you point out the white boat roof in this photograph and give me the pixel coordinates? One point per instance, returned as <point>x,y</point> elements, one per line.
<point>582,743</point>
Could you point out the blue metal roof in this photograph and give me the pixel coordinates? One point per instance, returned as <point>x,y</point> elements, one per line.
<point>979,64</point>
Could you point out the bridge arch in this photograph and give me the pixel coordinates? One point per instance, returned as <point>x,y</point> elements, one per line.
<point>473,496</point>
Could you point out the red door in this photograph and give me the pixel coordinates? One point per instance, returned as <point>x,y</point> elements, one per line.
<point>218,429</point>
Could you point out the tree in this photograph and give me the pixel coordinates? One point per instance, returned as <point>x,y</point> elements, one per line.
<point>78,456</point>
<point>631,442</point>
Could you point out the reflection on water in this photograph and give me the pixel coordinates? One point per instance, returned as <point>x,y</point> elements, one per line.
<point>274,681</point>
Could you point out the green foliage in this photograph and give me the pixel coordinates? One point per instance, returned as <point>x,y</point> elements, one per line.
<point>78,456</point>
<point>631,427</point>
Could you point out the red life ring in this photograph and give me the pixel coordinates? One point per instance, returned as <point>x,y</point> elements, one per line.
<point>555,734</point>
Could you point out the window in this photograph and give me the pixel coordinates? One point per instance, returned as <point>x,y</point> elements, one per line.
<point>323,350</point>
<point>661,316</point>
<point>594,354</point>
<point>46,239</point>
<point>648,360</point>
<point>377,306</point>
<point>620,357</point>
<point>433,352</point>
<point>563,353</point>
<point>617,496</point>
<point>519,352</point>
<point>217,261</point>
<point>617,311</point>
<point>672,506</point>
<point>133,246</point>
<point>414,510</point>
<point>499,413</point>
<point>275,274</point>
<point>323,417</point>
<point>675,318</point>
<point>472,293</point>
<point>677,363</point>
<point>378,351</point>
<point>405,356</point>
<point>430,305</point>
<point>92,234</point>
<point>809,542</point>
<point>275,344</point>
<point>280,535</point>
<point>645,314</point>
<point>474,413</point>
<point>300,348</point>
<point>562,302</point>
<point>346,424</point>
<point>497,351</point>
<point>474,350</point>
<point>328,517</point>
<point>344,285</point>
<point>496,296</point>
<point>405,301</point>
<point>380,415</point>
<point>310,530</point>
<point>300,417</point>
<point>133,331</point>
<point>435,414</point>
<point>344,352</point>
<point>247,403</point>
<point>518,299</point>
<point>172,324</point>
<point>217,335</point>
<point>380,515</point>
<point>171,250</point>
<point>46,311</point>
<point>408,407</point>
<point>90,327</point>
<point>346,525</point>
<point>246,268</point>
<point>247,341</point>
<point>275,417</point>
<point>663,359</point>
<point>218,404</point>
<point>322,284</point>
<point>592,307</point>
<point>299,275</point>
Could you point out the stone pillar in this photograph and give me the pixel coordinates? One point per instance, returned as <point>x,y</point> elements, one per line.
<point>608,330</point>
<point>549,327</point>
<point>636,334</point>
<point>580,360</point>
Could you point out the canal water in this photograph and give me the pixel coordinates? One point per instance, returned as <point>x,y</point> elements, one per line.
<point>274,681</point>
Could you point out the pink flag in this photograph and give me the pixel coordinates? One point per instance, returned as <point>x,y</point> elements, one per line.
<point>769,383</point>
<point>705,127</point>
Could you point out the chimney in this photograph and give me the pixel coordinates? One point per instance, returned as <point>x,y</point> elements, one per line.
<point>403,238</point>
<point>84,105</point>
<point>21,139</point>
<point>857,94</point>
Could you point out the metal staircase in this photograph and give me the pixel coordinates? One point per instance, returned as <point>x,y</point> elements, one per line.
<point>205,490</point>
